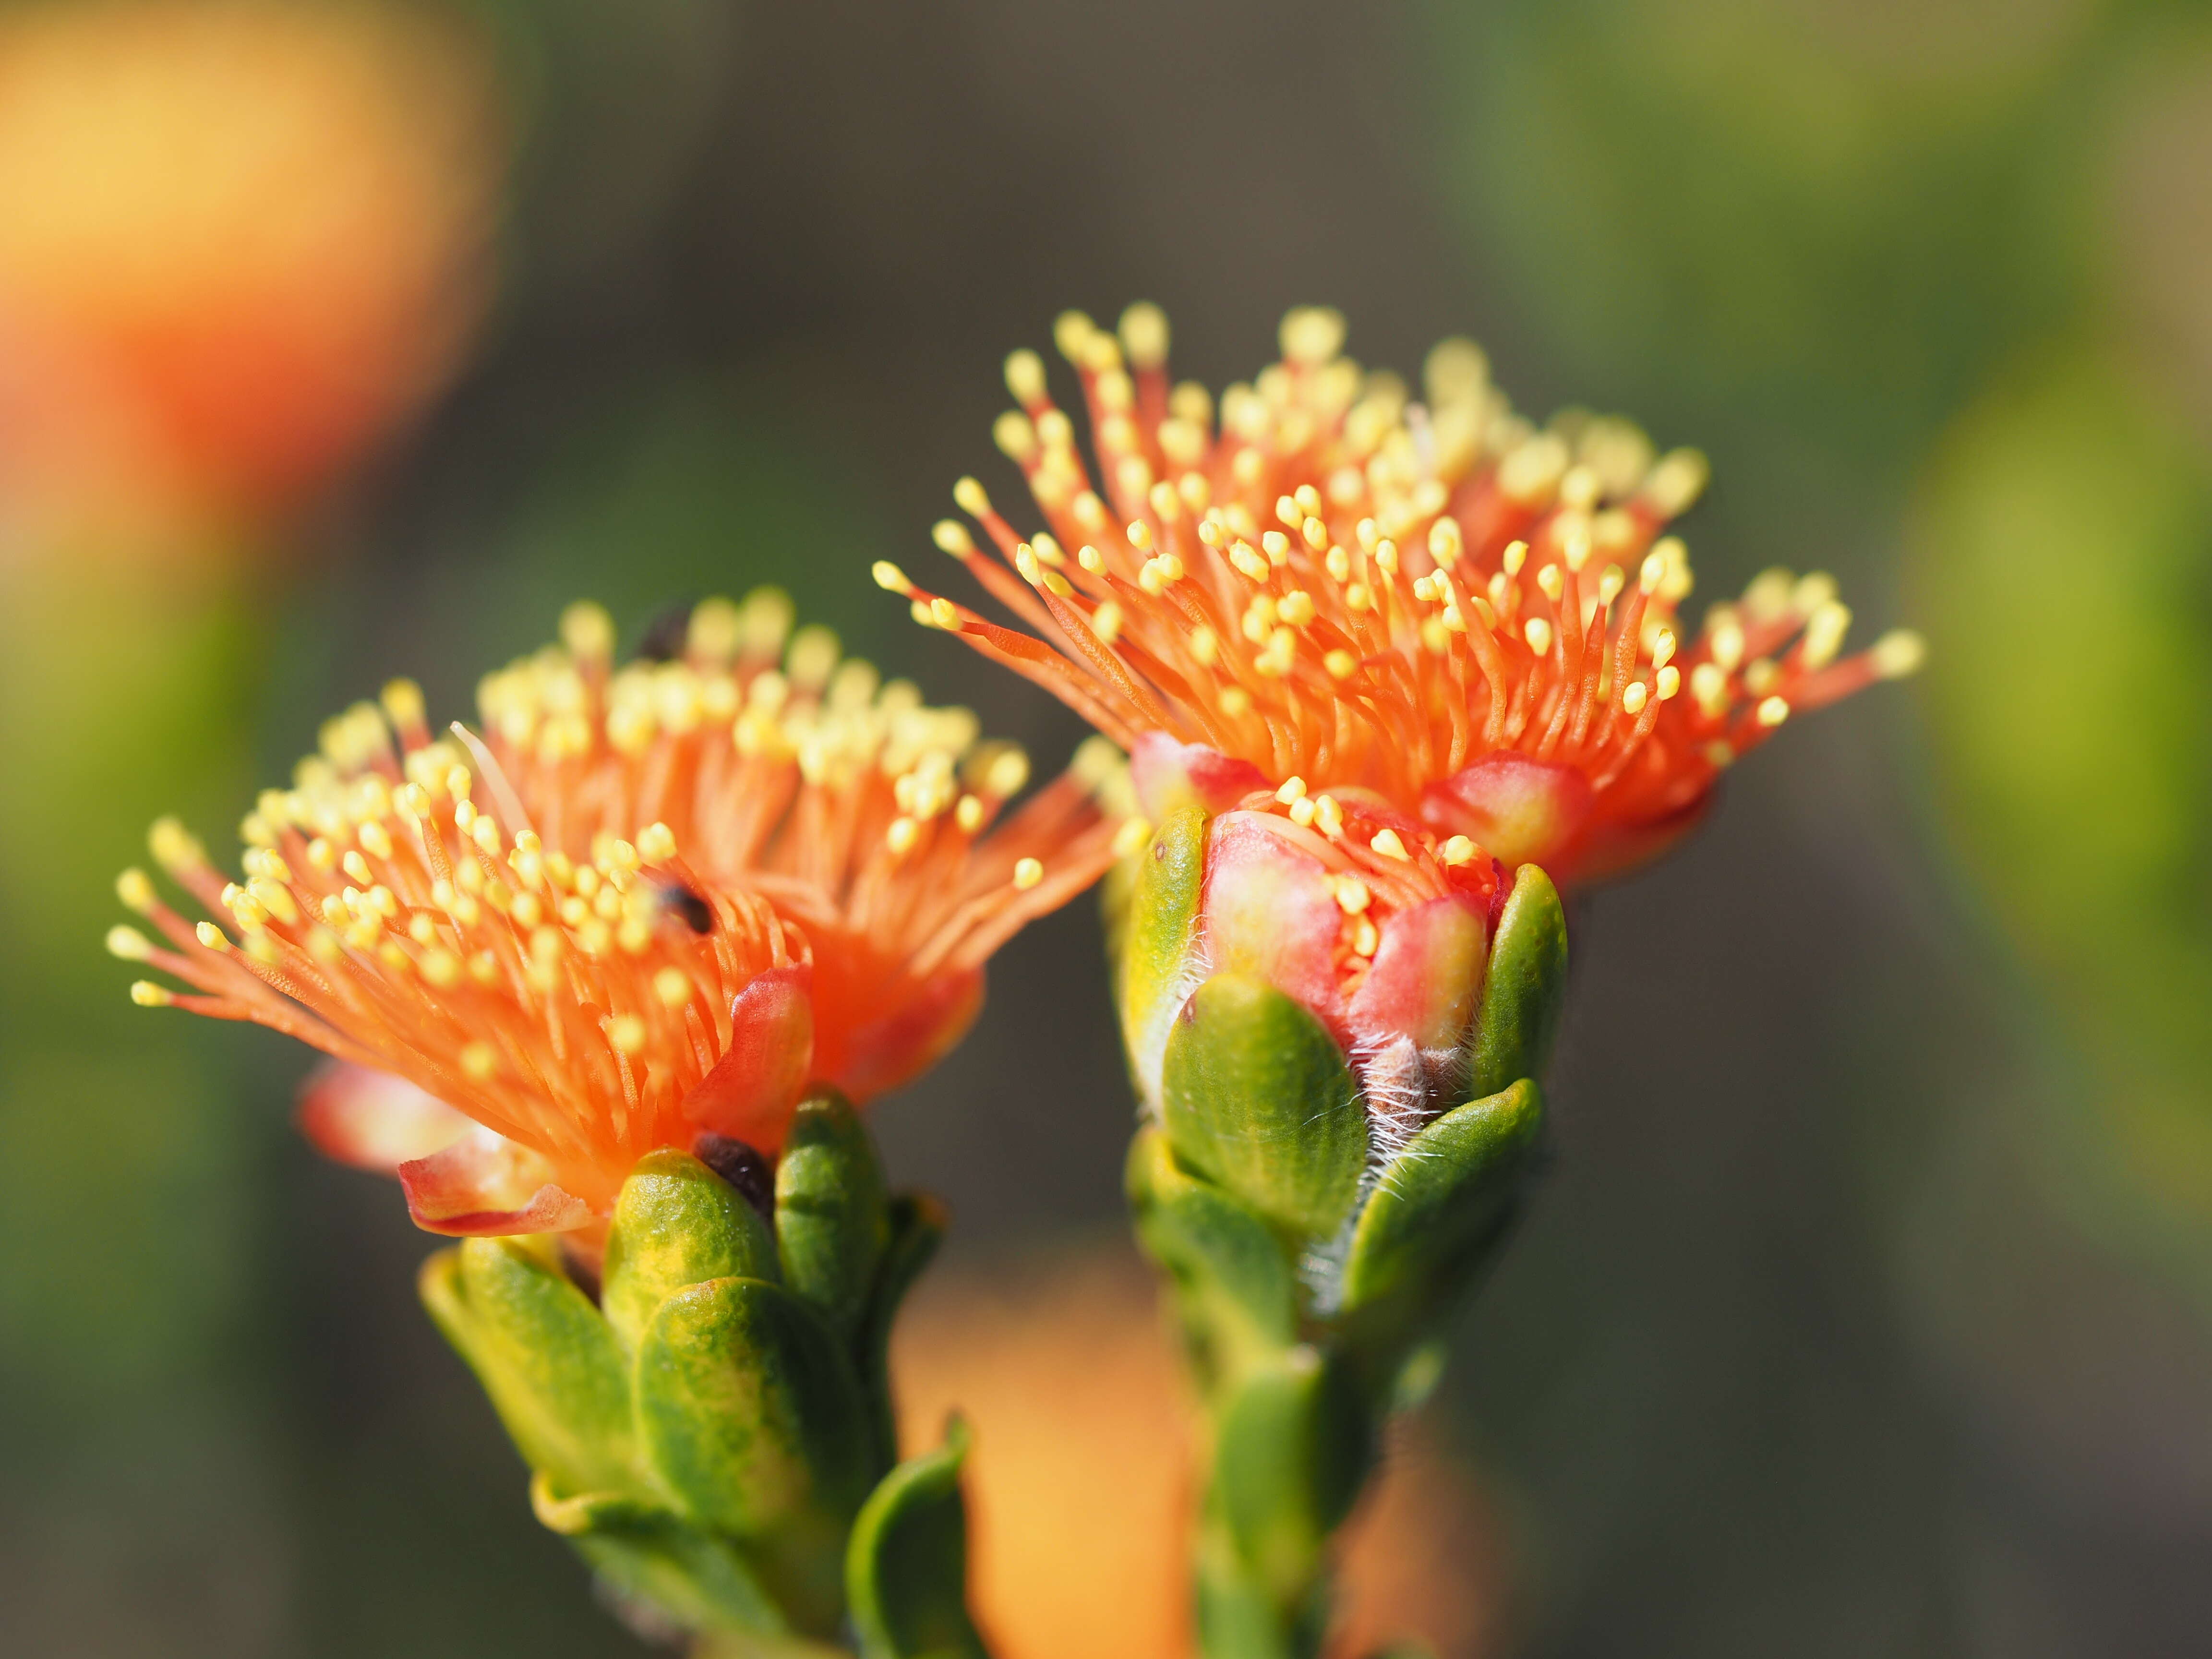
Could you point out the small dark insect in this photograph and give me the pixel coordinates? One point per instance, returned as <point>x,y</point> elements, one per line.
<point>697,914</point>
<point>666,634</point>
<point>753,1176</point>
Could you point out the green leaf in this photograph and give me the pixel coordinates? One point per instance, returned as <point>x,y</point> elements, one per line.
<point>1258,1098</point>
<point>906,1568</point>
<point>748,1414</point>
<point>917,1226</point>
<point>1238,1284</point>
<point>544,1357</point>
<point>1524,988</point>
<point>1447,1192</point>
<point>832,1219</point>
<point>1156,940</point>
<point>676,1223</point>
<point>751,1422</point>
<point>647,1556</point>
<point>1294,1445</point>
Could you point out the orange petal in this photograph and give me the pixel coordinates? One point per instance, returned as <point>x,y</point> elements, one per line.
<point>1270,913</point>
<point>1167,774</point>
<point>372,1119</point>
<point>485,1186</point>
<point>1519,811</point>
<point>751,1093</point>
<point>1427,973</point>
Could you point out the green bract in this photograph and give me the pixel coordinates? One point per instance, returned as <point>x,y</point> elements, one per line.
<point>1523,990</point>
<point>1314,1261</point>
<point>707,1435</point>
<point>1256,1096</point>
<point>908,1560</point>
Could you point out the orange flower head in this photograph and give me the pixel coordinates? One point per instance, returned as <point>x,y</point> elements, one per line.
<point>239,243</point>
<point>877,823</point>
<point>1434,606</point>
<point>646,906</point>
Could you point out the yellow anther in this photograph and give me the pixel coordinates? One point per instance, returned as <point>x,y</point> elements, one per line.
<point>1387,843</point>
<point>588,631</point>
<point>1550,583</point>
<point>1277,546</point>
<point>1138,534</point>
<point>1293,788</point>
<point>129,944</point>
<point>673,988</point>
<point>969,497</point>
<point>1028,873</point>
<point>1669,681</point>
<point>1132,838</point>
<point>892,579</point>
<point>1708,686</point>
<point>136,889</point>
<point>1106,621</point>
<point>1446,542</point>
<point>1248,563</point>
<point>1662,648</point>
<point>1016,438</point>
<point>1773,711</point>
<point>1352,895</point>
<point>1824,633</point>
<point>1296,608</point>
<point>211,936</point>
<point>402,703</point>
<point>1025,376</point>
<point>1328,816</point>
<point>1312,335</point>
<point>147,994</point>
<point>175,848</point>
<point>968,814</point>
<point>1515,556</point>
<point>1235,701</point>
<point>1386,557</point>
<point>1315,533</point>
<point>1538,633</point>
<point>1365,938</point>
<point>1302,812</point>
<point>1341,664</point>
<point>1761,676</point>
<point>945,614</point>
<point>1145,335</point>
<point>1457,851</point>
<point>952,537</point>
<point>656,843</point>
<point>1678,480</point>
<point>1633,696</point>
<point>1895,655</point>
<point>901,835</point>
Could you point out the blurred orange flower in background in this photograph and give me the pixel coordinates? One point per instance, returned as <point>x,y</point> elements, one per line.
<point>1079,1485</point>
<point>239,243</point>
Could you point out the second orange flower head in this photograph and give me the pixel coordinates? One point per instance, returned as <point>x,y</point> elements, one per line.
<point>644,906</point>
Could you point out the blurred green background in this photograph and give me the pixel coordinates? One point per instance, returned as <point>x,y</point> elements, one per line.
<point>1868,1307</point>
